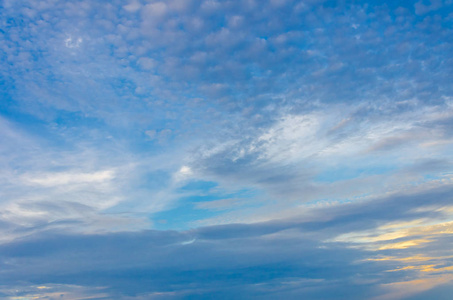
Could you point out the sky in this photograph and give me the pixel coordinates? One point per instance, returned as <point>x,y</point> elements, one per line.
<point>203,149</point>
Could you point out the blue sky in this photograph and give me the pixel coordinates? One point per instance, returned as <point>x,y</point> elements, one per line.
<point>201,149</point>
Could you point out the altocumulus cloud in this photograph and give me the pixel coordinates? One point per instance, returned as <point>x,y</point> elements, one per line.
<point>200,149</point>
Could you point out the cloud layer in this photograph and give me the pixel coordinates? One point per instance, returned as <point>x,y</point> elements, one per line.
<point>226,149</point>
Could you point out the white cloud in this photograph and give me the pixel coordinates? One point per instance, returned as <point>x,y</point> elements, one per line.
<point>65,178</point>
<point>71,42</point>
<point>184,173</point>
<point>133,6</point>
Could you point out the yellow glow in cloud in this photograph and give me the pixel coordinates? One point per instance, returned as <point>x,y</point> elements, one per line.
<point>403,245</point>
<point>433,269</point>
<point>392,231</point>
<point>423,268</point>
<point>399,225</point>
<point>413,258</point>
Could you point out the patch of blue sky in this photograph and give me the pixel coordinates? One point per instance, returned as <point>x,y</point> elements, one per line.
<point>26,121</point>
<point>182,217</point>
<point>207,192</point>
<point>431,177</point>
<point>199,185</point>
<point>205,203</point>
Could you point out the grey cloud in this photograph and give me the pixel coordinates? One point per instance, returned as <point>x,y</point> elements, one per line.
<point>132,264</point>
<point>431,165</point>
<point>286,257</point>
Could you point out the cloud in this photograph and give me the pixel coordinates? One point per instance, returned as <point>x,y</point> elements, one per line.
<point>73,43</point>
<point>69,178</point>
<point>302,149</point>
<point>318,155</point>
<point>291,257</point>
<point>133,6</point>
<point>421,8</point>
